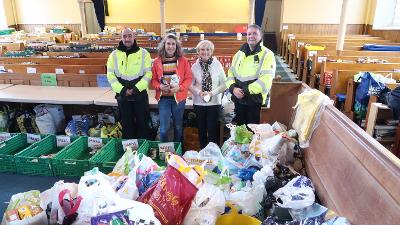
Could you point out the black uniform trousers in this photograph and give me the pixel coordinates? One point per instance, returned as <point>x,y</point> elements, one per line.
<point>207,122</point>
<point>135,116</point>
<point>245,114</point>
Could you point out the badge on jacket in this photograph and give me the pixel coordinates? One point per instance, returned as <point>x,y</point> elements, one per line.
<point>256,59</point>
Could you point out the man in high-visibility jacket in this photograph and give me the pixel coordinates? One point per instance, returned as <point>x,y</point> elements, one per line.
<point>250,77</point>
<point>129,73</point>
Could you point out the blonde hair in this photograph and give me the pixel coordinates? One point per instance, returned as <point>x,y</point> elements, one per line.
<point>205,42</point>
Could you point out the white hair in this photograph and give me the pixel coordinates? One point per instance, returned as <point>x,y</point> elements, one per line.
<point>206,43</point>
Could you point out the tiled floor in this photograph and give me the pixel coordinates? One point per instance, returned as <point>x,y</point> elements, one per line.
<point>283,70</point>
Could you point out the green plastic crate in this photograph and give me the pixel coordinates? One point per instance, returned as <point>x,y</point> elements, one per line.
<point>11,147</point>
<point>7,31</point>
<point>29,162</point>
<point>73,160</point>
<point>108,156</point>
<point>154,144</point>
<point>60,30</point>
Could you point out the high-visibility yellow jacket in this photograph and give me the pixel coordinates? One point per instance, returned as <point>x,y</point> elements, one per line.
<point>252,71</point>
<point>129,71</point>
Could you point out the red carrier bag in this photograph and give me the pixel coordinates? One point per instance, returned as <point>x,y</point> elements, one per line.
<point>171,197</point>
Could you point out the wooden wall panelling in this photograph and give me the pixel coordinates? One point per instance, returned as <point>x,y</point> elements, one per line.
<point>148,27</point>
<point>319,29</point>
<point>393,35</point>
<point>156,27</point>
<point>76,28</point>
<point>323,28</point>
<point>70,80</point>
<point>78,69</point>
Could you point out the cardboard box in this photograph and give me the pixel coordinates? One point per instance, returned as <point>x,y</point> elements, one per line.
<point>3,49</point>
<point>15,46</point>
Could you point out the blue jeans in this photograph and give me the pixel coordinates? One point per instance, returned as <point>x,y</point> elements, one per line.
<point>168,107</point>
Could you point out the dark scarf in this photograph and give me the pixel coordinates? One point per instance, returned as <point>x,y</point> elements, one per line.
<point>247,51</point>
<point>130,50</point>
<point>206,82</point>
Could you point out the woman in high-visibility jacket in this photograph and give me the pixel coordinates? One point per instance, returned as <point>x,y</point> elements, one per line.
<point>129,73</point>
<point>250,77</point>
<point>172,78</point>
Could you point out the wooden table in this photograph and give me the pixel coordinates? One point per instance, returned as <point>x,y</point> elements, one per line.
<point>4,86</point>
<point>108,99</point>
<point>52,95</point>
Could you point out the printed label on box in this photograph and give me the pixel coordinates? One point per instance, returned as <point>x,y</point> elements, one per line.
<point>5,136</point>
<point>321,59</point>
<point>59,71</point>
<point>32,138</point>
<point>30,70</point>
<point>133,143</point>
<point>48,79</point>
<point>311,53</point>
<point>95,143</point>
<point>165,147</point>
<point>63,141</point>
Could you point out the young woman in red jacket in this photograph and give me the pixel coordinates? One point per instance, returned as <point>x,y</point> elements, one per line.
<point>172,77</point>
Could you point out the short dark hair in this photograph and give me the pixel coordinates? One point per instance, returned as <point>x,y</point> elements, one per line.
<point>161,48</point>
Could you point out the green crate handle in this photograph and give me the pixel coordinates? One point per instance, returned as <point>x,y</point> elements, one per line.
<point>70,163</point>
<point>34,146</point>
<point>34,161</point>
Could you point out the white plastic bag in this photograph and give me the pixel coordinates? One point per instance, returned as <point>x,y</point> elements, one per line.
<point>309,107</point>
<point>260,176</point>
<point>227,108</point>
<point>128,160</point>
<point>261,132</point>
<point>44,120</point>
<point>388,79</point>
<point>98,196</point>
<point>137,213</point>
<point>126,187</point>
<point>234,159</point>
<point>228,144</point>
<point>286,153</point>
<point>50,119</point>
<point>296,194</point>
<point>211,154</point>
<point>195,174</point>
<point>38,219</point>
<point>52,196</point>
<point>57,112</point>
<point>248,199</point>
<point>279,127</point>
<point>269,150</point>
<point>208,204</point>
